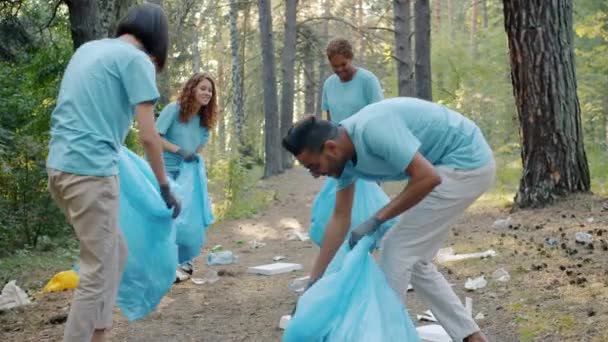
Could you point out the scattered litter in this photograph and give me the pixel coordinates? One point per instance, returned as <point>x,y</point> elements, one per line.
<point>296,235</point>
<point>210,277</point>
<point>427,316</point>
<point>501,275</point>
<point>13,296</point>
<point>284,321</point>
<point>65,280</point>
<point>299,284</point>
<point>255,244</point>
<point>502,223</point>
<point>475,284</point>
<point>480,316</point>
<point>447,254</point>
<point>583,237</point>
<point>433,333</point>
<point>279,258</point>
<point>410,287</point>
<point>276,268</point>
<point>590,220</point>
<point>468,305</point>
<point>551,241</point>
<point>221,258</point>
<point>217,248</point>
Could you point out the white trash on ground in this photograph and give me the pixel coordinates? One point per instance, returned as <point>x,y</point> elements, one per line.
<point>447,254</point>
<point>13,296</point>
<point>475,284</point>
<point>501,275</point>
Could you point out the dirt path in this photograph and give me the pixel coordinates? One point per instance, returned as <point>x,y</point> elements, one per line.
<point>555,293</point>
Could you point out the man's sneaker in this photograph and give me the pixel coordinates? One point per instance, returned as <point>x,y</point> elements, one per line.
<point>187,267</point>
<point>180,276</point>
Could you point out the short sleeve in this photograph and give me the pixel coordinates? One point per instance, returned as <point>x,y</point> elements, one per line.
<point>347,178</point>
<point>324,104</point>
<point>373,89</point>
<point>392,142</point>
<point>166,118</point>
<point>139,80</point>
<point>204,137</point>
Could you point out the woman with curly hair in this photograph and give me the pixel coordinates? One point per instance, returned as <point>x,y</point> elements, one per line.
<point>184,126</point>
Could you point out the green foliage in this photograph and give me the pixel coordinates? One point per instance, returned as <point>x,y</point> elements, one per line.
<point>234,188</point>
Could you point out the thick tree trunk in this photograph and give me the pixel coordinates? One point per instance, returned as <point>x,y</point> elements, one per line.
<point>403,47</point>
<point>288,62</point>
<point>85,21</point>
<point>309,75</point>
<point>422,17</point>
<point>237,98</point>
<point>273,164</point>
<point>484,12</point>
<point>544,84</point>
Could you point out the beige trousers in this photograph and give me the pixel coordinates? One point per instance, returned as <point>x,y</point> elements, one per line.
<point>91,206</point>
<point>409,247</point>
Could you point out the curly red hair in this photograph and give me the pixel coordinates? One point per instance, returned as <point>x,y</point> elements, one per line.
<point>187,102</point>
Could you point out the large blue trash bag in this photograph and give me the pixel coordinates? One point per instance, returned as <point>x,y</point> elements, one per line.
<point>196,216</point>
<point>369,198</point>
<point>147,226</point>
<point>351,302</point>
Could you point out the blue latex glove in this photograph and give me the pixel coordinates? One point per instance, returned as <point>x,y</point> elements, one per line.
<point>366,228</point>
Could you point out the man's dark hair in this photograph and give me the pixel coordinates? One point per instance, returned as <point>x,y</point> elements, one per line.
<point>339,46</point>
<point>310,134</point>
<point>148,24</point>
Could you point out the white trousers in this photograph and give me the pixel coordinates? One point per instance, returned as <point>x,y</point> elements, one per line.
<point>409,247</point>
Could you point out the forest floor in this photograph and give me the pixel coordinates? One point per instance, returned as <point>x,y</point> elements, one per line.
<point>556,292</point>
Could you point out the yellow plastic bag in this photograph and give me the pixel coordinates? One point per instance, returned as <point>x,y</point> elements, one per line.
<point>65,280</point>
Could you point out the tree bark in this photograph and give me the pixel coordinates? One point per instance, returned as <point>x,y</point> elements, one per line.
<point>309,73</point>
<point>273,164</point>
<point>541,50</point>
<point>237,98</point>
<point>424,88</point>
<point>85,21</point>
<point>403,47</point>
<point>288,61</point>
<point>437,15</point>
<point>484,12</point>
<point>473,36</point>
<point>323,64</point>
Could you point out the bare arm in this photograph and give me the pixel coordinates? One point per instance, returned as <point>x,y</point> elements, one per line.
<point>423,179</point>
<point>335,232</point>
<point>168,146</point>
<point>151,140</point>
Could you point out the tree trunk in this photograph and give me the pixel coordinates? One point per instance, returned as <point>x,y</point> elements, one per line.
<point>403,47</point>
<point>288,61</point>
<point>437,15</point>
<point>323,65</point>
<point>309,76</point>
<point>450,14</point>
<point>85,21</point>
<point>422,18</point>
<point>544,84</point>
<point>272,144</point>
<point>484,12</point>
<point>473,36</point>
<point>237,97</point>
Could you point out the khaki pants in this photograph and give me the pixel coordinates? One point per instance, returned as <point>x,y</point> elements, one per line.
<point>91,206</point>
<point>409,247</point>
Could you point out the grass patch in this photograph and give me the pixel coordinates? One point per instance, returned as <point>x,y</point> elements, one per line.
<point>33,269</point>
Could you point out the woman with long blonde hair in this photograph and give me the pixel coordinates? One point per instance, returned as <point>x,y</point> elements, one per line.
<point>184,126</point>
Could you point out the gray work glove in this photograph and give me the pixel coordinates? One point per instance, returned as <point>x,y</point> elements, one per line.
<point>366,228</point>
<point>187,156</point>
<point>170,200</point>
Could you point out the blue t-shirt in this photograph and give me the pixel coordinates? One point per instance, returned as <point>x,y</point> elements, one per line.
<point>187,135</point>
<point>102,84</point>
<point>387,135</point>
<point>343,99</point>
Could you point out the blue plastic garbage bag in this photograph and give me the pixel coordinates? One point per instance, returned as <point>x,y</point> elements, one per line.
<point>147,226</point>
<point>369,198</point>
<point>196,216</point>
<point>352,302</point>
